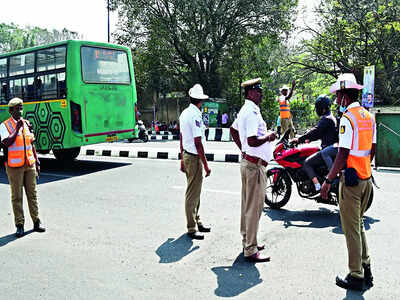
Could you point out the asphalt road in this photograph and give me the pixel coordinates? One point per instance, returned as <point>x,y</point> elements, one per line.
<point>116,230</point>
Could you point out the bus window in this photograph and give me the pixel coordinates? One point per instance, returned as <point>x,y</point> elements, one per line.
<point>28,88</point>
<point>61,86</point>
<point>22,64</point>
<point>16,88</point>
<point>101,65</point>
<point>51,58</point>
<point>3,93</point>
<point>3,67</point>
<point>48,86</point>
<point>60,53</point>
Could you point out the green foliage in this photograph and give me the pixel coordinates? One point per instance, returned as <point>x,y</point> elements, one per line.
<point>12,37</point>
<point>200,37</point>
<point>352,34</point>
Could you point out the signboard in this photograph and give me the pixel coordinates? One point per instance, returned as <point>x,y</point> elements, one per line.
<point>368,92</point>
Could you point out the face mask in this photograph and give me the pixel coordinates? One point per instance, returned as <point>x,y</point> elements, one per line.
<point>342,109</point>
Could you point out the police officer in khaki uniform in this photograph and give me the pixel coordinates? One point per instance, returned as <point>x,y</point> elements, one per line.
<point>357,141</point>
<point>193,159</point>
<point>249,131</point>
<point>22,165</point>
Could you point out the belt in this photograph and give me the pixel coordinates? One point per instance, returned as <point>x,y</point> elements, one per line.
<point>190,153</point>
<point>255,160</point>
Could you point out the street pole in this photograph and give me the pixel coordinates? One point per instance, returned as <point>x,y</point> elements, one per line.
<point>108,12</point>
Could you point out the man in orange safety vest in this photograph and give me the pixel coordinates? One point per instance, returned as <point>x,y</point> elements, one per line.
<point>284,108</point>
<point>22,165</point>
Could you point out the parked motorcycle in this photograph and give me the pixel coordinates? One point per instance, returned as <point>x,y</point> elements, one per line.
<point>279,180</point>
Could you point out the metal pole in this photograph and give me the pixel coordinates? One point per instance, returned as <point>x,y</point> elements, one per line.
<point>108,12</point>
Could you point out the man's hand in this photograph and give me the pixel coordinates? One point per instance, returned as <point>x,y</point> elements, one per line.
<point>272,137</point>
<point>325,190</point>
<point>294,141</point>
<point>37,167</point>
<point>182,166</point>
<point>20,124</point>
<point>208,171</point>
<point>293,84</point>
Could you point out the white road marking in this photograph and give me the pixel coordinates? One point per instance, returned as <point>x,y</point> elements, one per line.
<point>208,190</point>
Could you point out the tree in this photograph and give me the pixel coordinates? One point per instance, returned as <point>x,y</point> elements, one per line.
<point>12,37</point>
<point>198,34</point>
<point>352,34</point>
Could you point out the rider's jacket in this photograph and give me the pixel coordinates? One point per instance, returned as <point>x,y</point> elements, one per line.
<point>363,124</point>
<point>21,150</point>
<point>325,130</point>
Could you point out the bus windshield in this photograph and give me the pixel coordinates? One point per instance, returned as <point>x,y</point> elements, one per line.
<point>101,65</point>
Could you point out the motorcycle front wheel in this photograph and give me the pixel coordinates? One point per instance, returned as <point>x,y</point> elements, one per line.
<point>278,188</point>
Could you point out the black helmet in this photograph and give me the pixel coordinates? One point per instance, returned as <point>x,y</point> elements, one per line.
<point>322,102</point>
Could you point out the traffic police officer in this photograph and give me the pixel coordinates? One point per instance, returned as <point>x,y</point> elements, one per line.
<point>249,132</point>
<point>357,141</point>
<point>193,159</point>
<point>284,109</point>
<point>22,165</point>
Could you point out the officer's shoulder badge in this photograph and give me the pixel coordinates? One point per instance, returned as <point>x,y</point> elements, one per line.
<point>342,129</point>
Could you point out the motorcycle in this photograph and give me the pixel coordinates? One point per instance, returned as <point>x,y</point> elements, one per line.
<point>143,132</point>
<point>291,160</point>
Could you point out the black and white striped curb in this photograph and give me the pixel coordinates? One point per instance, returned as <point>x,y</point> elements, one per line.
<point>164,137</point>
<point>174,154</point>
<point>212,134</point>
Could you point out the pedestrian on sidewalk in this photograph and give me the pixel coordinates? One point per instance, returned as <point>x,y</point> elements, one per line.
<point>357,144</point>
<point>192,138</point>
<point>284,108</point>
<point>22,165</point>
<point>225,120</point>
<point>249,131</point>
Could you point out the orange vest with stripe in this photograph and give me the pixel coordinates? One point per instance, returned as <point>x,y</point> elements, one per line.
<point>363,124</point>
<point>284,109</point>
<point>21,150</point>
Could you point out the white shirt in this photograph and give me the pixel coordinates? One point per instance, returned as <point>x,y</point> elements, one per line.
<point>192,126</point>
<point>346,130</point>
<point>249,123</point>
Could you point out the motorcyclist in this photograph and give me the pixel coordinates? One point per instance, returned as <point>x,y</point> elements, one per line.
<point>325,130</point>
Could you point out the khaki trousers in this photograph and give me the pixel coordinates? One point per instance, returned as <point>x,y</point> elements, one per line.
<point>19,178</point>
<point>253,195</point>
<point>194,176</point>
<point>287,124</point>
<point>352,203</point>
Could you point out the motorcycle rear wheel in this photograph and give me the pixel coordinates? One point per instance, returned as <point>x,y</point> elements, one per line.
<point>277,194</point>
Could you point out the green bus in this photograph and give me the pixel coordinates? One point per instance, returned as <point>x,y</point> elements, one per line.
<point>75,93</point>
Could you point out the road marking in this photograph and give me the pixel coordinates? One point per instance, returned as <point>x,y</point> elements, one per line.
<point>208,190</point>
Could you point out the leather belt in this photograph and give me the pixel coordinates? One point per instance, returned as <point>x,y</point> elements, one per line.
<point>255,160</point>
<point>190,153</point>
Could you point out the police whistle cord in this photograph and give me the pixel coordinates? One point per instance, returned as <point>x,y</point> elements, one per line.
<point>374,182</point>
<point>390,129</point>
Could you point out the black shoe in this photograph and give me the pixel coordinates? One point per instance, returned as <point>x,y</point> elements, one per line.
<point>195,236</point>
<point>38,228</point>
<point>257,257</point>
<point>368,278</point>
<point>350,282</point>
<point>203,228</point>
<point>20,231</point>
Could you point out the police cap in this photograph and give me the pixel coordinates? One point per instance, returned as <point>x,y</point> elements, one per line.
<point>14,102</point>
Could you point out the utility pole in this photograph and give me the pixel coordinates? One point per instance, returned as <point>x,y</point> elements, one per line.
<point>108,13</point>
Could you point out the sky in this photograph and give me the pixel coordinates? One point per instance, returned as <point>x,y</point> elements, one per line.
<point>87,17</point>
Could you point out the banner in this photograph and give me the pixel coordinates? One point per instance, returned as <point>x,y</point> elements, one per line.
<point>368,92</point>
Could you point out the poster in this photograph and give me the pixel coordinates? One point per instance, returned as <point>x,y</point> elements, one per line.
<point>368,92</point>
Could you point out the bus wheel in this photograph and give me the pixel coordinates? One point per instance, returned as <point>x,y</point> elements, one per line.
<point>66,154</point>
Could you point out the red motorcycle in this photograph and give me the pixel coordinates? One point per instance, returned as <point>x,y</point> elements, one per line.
<point>279,179</point>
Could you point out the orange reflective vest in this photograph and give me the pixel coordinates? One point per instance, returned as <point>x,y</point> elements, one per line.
<point>363,124</point>
<point>21,150</point>
<point>284,109</point>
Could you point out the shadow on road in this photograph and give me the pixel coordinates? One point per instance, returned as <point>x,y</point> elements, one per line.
<point>54,170</point>
<point>321,218</point>
<point>173,250</point>
<point>4,240</point>
<point>236,279</point>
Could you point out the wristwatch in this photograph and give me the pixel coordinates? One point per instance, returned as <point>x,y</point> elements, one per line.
<point>328,181</point>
